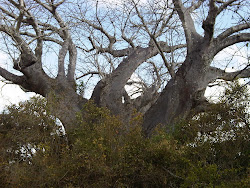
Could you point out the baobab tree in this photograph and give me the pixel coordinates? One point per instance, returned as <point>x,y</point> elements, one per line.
<point>168,45</point>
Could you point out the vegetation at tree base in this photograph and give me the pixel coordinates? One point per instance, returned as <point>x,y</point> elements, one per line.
<point>208,150</point>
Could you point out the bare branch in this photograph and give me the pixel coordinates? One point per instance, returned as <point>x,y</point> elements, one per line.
<point>11,77</point>
<point>52,9</point>
<point>14,3</point>
<point>19,20</point>
<point>49,8</point>
<point>72,61</point>
<point>118,53</point>
<point>59,3</point>
<point>169,67</point>
<point>61,58</point>
<point>111,38</point>
<point>187,24</point>
<point>49,27</point>
<point>119,77</point>
<point>228,41</point>
<point>208,24</point>
<point>214,11</point>
<point>128,40</point>
<point>195,6</point>
<point>229,76</point>
<point>8,13</point>
<point>45,26</point>
<point>123,72</point>
<point>28,58</point>
<point>30,20</point>
<point>232,30</point>
<point>39,46</point>
<point>225,5</point>
<point>115,53</point>
<point>44,37</point>
<point>88,73</point>
<point>164,24</point>
<point>127,51</point>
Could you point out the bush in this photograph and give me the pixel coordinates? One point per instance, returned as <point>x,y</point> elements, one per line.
<point>103,152</point>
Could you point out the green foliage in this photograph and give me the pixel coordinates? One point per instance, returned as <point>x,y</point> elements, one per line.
<point>218,141</point>
<point>103,152</point>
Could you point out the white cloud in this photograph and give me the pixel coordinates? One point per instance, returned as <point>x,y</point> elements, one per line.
<point>12,94</point>
<point>3,59</point>
<point>215,92</point>
<point>135,89</point>
<point>231,59</point>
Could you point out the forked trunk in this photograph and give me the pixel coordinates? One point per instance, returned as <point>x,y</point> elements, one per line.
<point>65,103</point>
<point>179,98</point>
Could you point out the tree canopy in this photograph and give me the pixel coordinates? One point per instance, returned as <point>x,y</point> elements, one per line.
<point>59,46</point>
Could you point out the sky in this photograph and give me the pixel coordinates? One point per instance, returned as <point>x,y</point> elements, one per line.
<point>238,62</point>
<point>10,93</point>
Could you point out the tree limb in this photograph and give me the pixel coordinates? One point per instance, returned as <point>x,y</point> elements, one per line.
<point>11,77</point>
<point>214,11</point>
<point>187,24</point>
<point>232,30</point>
<point>164,24</point>
<point>61,58</point>
<point>169,67</point>
<point>34,23</point>
<point>72,61</point>
<point>88,73</point>
<point>195,6</point>
<point>228,41</point>
<point>111,38</point>
<point>44,37</point>
<point>8,13</point>
<point>27,58</point>
<point>126,68</point>
<point>225,5</point>
<point>208,24</point>
<point>52,10</point>
<point>217,73</point>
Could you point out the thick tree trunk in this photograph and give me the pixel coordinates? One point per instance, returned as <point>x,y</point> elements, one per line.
<point>65,103</point>
<point>179,97</point>
<point>174,102</point>
<point>60,93</point>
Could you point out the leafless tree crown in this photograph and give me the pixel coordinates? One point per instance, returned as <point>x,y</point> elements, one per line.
<point>168,46</point>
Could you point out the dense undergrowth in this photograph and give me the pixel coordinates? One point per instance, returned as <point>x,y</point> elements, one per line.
<point>209,150</point>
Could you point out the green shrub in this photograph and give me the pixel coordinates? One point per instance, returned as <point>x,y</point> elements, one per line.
<point>103,152</point>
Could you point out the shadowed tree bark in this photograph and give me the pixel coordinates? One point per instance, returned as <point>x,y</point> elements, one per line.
<point>160,42</point>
